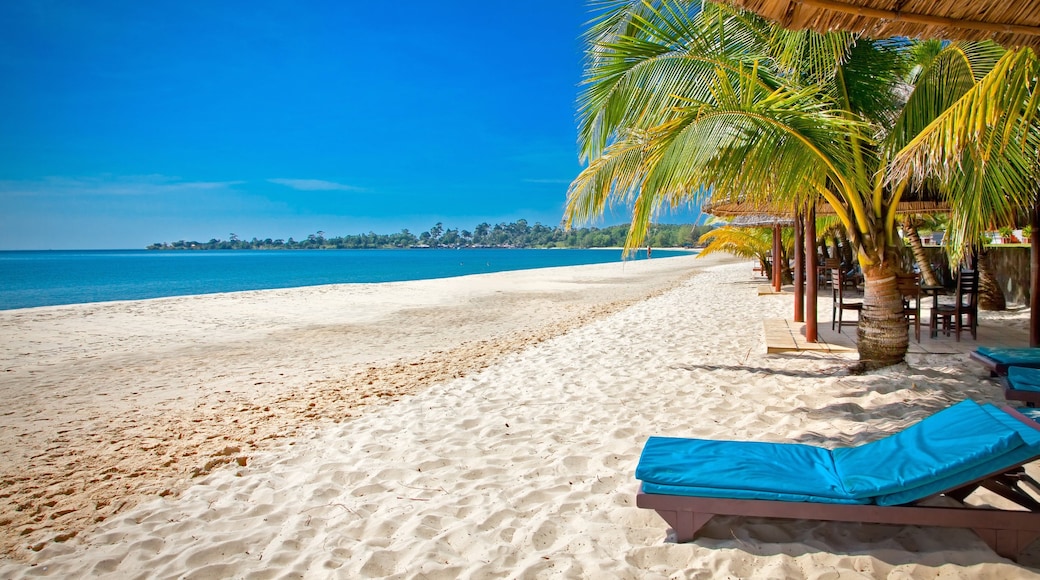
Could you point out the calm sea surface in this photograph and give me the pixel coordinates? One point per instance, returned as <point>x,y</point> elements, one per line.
<point>47,278</point>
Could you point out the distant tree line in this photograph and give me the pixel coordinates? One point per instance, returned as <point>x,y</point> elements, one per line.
<point>518,234</point>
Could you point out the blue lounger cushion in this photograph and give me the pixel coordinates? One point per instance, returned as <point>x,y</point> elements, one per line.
<point>956,446</point>
<point>1024,379</point>
<point>1029,449</point>
<point>952,441</point>
<point>1011,356</point>
<point>743,467</point>
<point>744,494</point>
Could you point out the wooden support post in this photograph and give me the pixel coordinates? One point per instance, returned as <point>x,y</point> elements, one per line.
<point>1034,277</point>
<point>812,289</point>
<point>799,268</point>
<point>777,257</point>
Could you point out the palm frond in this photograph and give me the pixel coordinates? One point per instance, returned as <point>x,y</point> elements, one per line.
<point>637,64</point>
<point>944,78</point>
<point>990,119</point>
<point>750,243</point>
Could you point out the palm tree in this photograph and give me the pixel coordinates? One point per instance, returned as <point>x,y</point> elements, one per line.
<point>912,224</point>
<point>991,295</point>
<point>688,100</point>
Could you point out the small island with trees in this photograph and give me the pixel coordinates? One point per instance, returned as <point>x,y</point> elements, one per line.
<point>518,234</point>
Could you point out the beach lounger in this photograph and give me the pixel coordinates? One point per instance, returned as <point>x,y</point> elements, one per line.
<point>1022,384</point>
<point>997,360</point>
<point>951,454</point>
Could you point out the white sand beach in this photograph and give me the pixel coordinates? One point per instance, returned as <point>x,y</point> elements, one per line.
<point>477,427</point>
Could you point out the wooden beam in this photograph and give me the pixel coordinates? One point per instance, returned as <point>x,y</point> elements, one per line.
<point>927,19</point>
<point>1034,276</point>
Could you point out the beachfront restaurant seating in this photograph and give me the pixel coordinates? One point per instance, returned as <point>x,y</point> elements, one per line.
<point>962,314</point>
<point>840,303</point>
<point>909,286</point>
<point>999,360</point>
<point>894,480</point>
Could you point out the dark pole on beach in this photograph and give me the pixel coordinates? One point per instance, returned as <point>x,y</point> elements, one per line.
<point>1034,276</point>
<point>799,267</point>
<point>777,245</point>
<point>811,279</point>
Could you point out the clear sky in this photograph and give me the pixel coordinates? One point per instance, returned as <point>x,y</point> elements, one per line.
<point>130,122</point>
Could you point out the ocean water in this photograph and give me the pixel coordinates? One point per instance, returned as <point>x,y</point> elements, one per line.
<point>44,278</point>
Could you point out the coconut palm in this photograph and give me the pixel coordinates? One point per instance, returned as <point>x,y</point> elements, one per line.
<point>688,100</point>
<point>912,224</point>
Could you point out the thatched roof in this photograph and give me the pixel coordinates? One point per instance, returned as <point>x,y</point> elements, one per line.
<point>1011,23</point>
<point>724,208</point>
<point>760,220</point>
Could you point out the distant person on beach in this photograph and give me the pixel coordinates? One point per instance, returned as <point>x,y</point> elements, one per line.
<point>648,252</point>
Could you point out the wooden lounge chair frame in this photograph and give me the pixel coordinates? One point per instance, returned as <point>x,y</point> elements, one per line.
<point>1006,532</point>
<point>1030,398</point>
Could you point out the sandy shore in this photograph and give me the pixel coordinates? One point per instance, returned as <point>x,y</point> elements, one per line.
<point>110,403</point>
<point>512,409</point>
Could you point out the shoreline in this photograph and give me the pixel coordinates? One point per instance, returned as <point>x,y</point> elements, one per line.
<point>311,279</point>
<point>110,403</point>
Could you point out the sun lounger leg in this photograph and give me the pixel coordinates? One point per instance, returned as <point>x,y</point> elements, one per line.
<point>1007,543</point>
<point>1009,486</point>
<point>685,524</point>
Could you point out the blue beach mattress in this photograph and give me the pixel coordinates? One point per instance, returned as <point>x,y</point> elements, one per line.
<point>1012,356</point>
<point>1024,379</point>
<point>956,446</point>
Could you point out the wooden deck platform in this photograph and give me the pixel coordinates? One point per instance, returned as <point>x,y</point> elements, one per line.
<point>789,336</point>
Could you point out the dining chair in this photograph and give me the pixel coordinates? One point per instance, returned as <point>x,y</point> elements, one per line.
<point>964,313</point>
<point>909,286</point>
<point>840,304</point>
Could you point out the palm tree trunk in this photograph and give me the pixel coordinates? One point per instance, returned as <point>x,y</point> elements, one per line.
<point>883,330</point>
<point>845,251</point>
<point>991,297</point>
<point>914,239</point>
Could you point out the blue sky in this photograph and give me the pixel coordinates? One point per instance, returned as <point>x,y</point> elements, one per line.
<point>129,122</point>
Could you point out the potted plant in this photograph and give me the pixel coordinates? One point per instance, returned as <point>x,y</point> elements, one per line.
<point>1005,234</point>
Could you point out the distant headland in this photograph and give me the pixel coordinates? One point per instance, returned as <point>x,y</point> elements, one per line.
<point>518,234</point>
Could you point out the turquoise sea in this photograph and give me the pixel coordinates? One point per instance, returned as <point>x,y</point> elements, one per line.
<point>44,278</point>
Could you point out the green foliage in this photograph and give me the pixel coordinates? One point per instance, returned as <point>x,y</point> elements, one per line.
<point>751,243</point>
<point>518,234</point>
